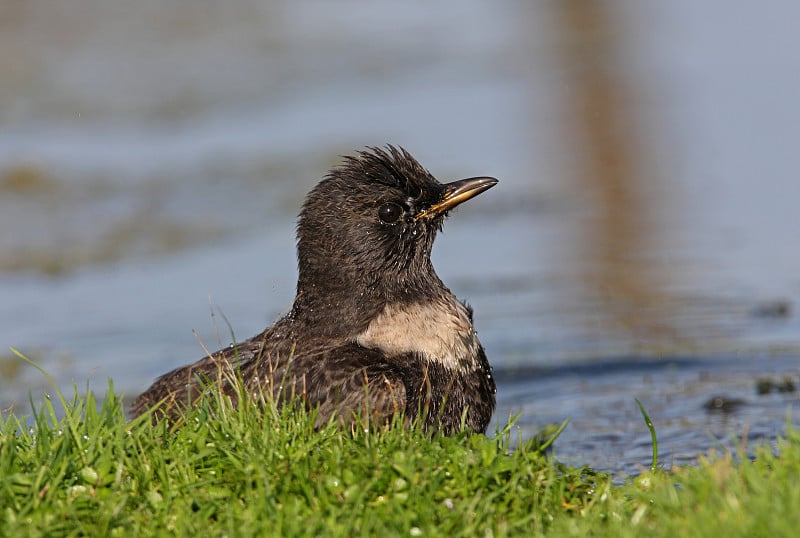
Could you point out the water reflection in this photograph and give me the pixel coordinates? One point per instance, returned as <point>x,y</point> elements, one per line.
<point>605,136</point>
<point>153,155</point>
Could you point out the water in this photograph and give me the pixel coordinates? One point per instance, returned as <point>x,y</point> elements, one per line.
<point>641,242</point>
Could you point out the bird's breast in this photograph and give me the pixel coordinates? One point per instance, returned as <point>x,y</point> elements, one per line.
<point>439,330</point>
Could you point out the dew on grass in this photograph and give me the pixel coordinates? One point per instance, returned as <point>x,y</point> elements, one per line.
<point>89,475</point>
<point>77,490</point>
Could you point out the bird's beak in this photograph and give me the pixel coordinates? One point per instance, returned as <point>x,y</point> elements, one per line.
<point>456,193</point>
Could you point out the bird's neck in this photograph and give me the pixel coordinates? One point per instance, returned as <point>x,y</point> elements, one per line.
<point>335,302</point>
<point>418,315</point>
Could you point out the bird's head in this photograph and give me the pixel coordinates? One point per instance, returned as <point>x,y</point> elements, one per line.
<point>369,226</point>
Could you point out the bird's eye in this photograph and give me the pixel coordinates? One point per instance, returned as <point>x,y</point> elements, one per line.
<point>390,212</point>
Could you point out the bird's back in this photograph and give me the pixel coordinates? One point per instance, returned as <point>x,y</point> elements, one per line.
<point>347,382</point>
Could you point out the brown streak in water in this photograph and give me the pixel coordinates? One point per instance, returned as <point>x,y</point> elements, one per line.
<point>603,109</point>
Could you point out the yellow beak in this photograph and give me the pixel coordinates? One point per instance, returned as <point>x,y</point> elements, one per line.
<point>456,193</point>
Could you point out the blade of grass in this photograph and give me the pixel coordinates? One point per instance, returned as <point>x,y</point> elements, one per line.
<point>654,461</point>
<point>71,418</point>
<point>552,437</point>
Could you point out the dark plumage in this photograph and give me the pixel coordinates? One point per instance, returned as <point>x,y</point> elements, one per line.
<point>373,330</point>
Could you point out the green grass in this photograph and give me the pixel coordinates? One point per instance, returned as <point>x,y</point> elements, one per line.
<point>256,471</point>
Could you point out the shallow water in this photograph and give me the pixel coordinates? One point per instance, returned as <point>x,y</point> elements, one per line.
<point>641,243</point>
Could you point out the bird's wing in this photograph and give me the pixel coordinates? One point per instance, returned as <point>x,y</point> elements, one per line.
<point>175,391</point>
<point>348,383</point>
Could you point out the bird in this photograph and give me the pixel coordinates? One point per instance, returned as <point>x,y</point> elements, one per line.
<point>373,333</point>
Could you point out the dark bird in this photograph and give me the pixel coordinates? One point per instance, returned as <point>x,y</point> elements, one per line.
<point>373,331</point>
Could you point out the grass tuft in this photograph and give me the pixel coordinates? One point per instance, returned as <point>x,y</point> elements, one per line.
<point>257,469</point>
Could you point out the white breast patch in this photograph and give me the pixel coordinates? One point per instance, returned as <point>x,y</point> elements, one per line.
<point>441,331</point>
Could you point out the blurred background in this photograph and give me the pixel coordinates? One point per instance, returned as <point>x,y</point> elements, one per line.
<point>642,242</point>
